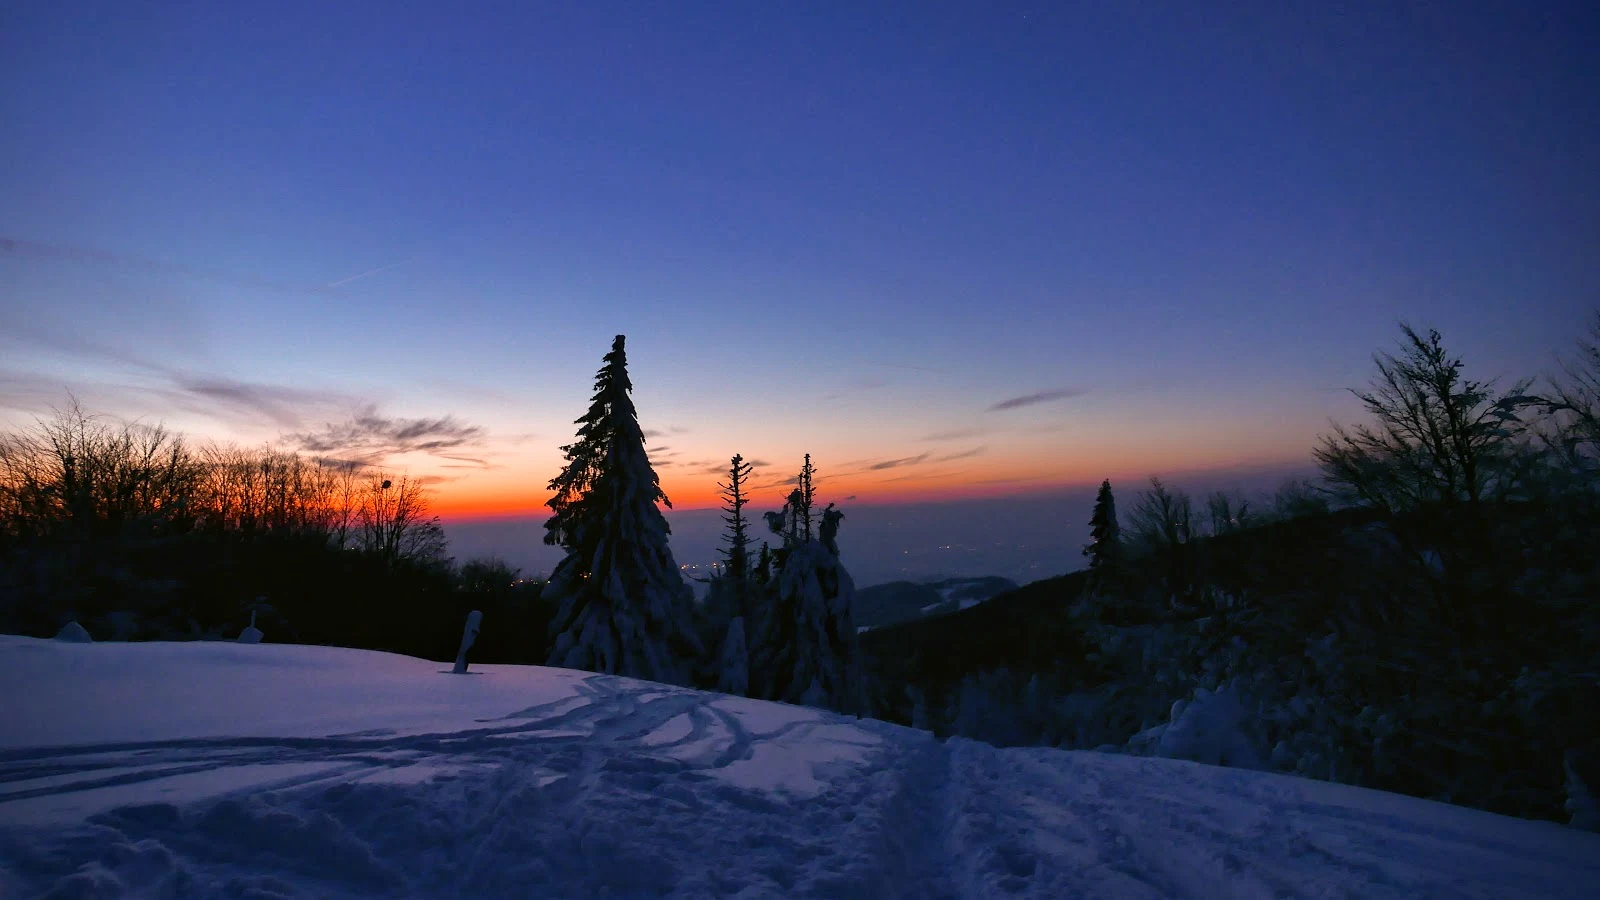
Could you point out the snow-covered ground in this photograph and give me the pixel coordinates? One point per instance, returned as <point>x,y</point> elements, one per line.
<point>212,769</point>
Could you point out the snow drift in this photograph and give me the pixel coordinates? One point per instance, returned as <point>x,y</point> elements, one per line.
<point>220,769</point>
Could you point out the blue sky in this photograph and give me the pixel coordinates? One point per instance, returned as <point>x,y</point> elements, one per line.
<point>841,228</point>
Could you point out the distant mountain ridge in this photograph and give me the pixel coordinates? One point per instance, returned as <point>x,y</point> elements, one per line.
<point>905,601</point>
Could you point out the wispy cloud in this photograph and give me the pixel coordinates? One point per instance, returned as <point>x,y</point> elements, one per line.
<point>920,476</point>
<point>663,432</point>
<point>283,406</point>
<point>931,371</point>
<point>863,383</point>
<point>768,484</point>
<point>370,438</point>
<point>954,434</point>
<point>897,463</point>
<point>1035,399</point>
<point>964,454</point>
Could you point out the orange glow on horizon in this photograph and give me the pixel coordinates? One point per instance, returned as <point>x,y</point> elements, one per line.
<point>996,480</point>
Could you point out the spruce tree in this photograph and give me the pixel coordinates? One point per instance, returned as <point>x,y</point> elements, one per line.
<point>737,556</point>
<point>727,607</point>
<point>807,498</point>
<point>1105,536</point>
<point>623,607</point>
<point>808,652</point>
<point>763,574</point>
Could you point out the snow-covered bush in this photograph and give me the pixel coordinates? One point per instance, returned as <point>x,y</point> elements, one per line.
<point>1215,727</point>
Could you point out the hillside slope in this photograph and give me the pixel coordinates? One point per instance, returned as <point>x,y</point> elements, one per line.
<point>216,769</point>
<point>1025,629</point>
<point>882,605</point>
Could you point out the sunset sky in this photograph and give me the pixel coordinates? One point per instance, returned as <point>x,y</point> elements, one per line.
<point>949,250</point>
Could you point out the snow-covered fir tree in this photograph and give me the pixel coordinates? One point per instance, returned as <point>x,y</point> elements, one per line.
<point>808,652</point>
<point>623,607</point>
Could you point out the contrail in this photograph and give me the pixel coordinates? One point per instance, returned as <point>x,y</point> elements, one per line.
<point>38,250</point>
<point>25,248</point>
<point>334,284</point>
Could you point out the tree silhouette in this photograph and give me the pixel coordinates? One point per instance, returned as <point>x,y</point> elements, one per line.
<point>623,606</point>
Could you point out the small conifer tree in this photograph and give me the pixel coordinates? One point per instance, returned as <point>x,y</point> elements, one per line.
<point>1105,536</point>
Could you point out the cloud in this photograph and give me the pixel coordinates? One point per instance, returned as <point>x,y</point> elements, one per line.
<point>775,483</point>
<point>953,434</point>
<point>897,463</point>
<point>1014,480</point>
<point>757,463</point>
<point>144,378</point>
<point>1034,399</point>
<point>921,476</point>
<point>908,367</point>
<point>369,437</point>
<point>920,458</point>
<point>856,385</point>
<point>280,405</point>
<point>1049,428</point>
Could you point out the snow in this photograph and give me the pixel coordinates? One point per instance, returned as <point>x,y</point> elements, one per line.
<point>221,769</point>
<point>948,594</point>
<point>73,633</point>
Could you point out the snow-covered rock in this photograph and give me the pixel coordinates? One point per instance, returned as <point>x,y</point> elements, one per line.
<point>210,769</point>
<point>73,633</point>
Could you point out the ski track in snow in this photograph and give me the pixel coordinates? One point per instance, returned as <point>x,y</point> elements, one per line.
<point>635,790</point>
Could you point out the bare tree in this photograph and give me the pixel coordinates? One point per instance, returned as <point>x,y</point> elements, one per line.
<point>1228,512</point>
<point>1163,518</point>
<point>1574,404</point>
<point>84,472</point>
<point>1436,438</point>
<point>394,520</point>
